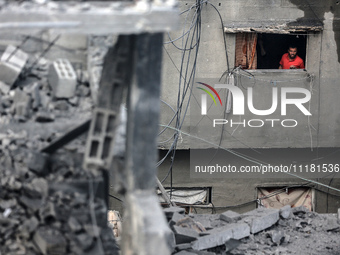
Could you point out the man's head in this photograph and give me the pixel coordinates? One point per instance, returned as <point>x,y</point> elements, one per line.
<point>292,51</point>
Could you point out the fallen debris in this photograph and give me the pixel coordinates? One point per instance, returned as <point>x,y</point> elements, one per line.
<point>12,62</point>
<point>260,231</point>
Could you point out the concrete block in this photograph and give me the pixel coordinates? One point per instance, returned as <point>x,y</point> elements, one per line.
<point>261,219</point>
<point>175,218</point>
<point>239,230</point>
<point>99,145</point>
<point>22,103</point>
<point>62,79</point>
<point>12,62</point>
<point>285,211</point>
<point>230,216</point>
<point>212,240</point>
<point>185,235</point>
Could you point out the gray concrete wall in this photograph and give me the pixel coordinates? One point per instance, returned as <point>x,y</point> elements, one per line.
<point>308,138</point>
<point>322,128</point>
<point>232,192</point>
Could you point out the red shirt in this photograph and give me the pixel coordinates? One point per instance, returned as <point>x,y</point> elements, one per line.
<point>286,62</point>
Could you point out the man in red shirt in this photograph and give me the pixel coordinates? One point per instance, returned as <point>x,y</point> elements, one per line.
<point>291,60</point>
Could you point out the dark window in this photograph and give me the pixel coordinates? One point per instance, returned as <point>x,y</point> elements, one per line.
<point>275,45</point>
<point>264,51</point>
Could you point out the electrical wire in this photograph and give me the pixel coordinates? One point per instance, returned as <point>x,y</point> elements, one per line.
<point>186,86</point>
<point>51,44</point>
<point>250,159</point>
<point>195,34</point>
<point>116,198</point>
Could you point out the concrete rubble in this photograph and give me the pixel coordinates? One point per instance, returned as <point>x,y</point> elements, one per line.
<point>261,231</point>
<point>44,91</point>
<point>48,203</point>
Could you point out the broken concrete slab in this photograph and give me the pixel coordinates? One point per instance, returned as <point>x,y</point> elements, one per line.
<point>188,222</point>
<point>214,239</point>
<point>231,244</point>
<point>261,219</point>
<point>175,218</point>
<point>208,221</point>
<point>12,62</point>
<point>230,216</point>
<point>185,235</point>
<point>239,230</point>
<point>285,212</point>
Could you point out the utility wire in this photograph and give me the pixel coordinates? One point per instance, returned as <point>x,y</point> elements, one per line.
<point>254,160</point>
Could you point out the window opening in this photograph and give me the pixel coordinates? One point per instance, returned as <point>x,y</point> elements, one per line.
<point>278,197</point>
<point>264,51</point>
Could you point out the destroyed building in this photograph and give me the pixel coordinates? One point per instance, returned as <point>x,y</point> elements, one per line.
<point>79,91</point>
<point>290,139</point>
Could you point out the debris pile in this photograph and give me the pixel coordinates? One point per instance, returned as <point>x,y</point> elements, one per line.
<point>40,90</point>
<point>58,211</point>
<point>261,231</point>
<point>48,203</point>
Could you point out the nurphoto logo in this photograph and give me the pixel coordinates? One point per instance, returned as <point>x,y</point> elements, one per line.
<point>238,103</point>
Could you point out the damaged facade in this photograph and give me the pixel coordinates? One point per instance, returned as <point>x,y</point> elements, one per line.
<point>314,27</point>
<point>49,84</point>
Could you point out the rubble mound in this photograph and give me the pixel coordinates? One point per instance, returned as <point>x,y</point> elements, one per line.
<point>258,232</point>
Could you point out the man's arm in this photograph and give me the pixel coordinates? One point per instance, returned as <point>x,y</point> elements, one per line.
<point>280,66</point>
